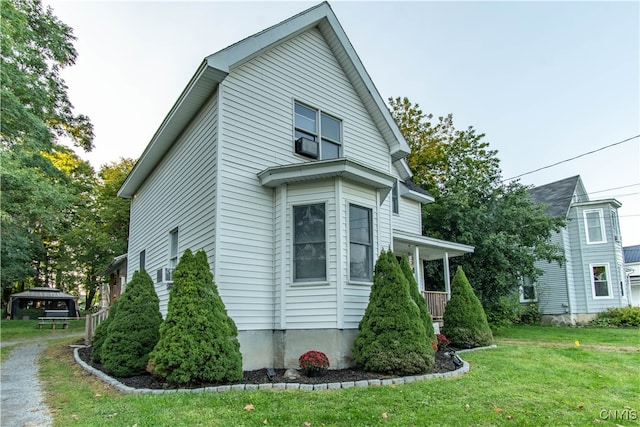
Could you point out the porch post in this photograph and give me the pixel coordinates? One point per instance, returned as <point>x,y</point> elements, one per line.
<point>447,278</point>
<point>417,268</point>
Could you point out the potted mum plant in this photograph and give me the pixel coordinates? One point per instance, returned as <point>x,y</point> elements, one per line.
<point>314,363</point>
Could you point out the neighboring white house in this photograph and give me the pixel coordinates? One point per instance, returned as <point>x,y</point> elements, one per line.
<point>281,161</point>
<point>593,277</point>
<point>632,269</point>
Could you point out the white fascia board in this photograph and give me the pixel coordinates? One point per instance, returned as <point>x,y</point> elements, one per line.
<point>613,202</point>
<point>198,91</point>
<point>308,171</point>
<point>453,249</point>
<point>403,169</point>
<point>414,195</point>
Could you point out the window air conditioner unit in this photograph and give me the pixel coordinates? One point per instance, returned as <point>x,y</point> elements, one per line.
<point>165,276</point>
<point>307,147</point>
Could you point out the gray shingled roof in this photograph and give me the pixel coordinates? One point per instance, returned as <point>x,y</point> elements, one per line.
<point>44,293</point>
<point>556,195</point>
<point>415,187</point>
<point>631,253</point>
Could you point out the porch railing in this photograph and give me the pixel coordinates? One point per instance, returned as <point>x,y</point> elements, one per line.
<point>436,302</point>
<point>92,322</point>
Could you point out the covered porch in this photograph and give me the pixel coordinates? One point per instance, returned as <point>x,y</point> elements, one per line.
<point>421,248</point>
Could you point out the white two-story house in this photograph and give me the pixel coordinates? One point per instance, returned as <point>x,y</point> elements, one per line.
<point>282,162</point>
<point>593,277</point>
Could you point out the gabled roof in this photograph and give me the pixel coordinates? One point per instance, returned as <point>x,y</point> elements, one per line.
<point>631,254</point>
<point>217,66</point>
<point>556,195</point>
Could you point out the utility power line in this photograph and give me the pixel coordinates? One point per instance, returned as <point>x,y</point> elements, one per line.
<point>572,158</point>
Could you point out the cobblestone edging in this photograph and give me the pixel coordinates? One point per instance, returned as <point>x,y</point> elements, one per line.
<point>274,386</point>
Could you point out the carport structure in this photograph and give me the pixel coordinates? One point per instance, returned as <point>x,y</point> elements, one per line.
<point>42,299</point>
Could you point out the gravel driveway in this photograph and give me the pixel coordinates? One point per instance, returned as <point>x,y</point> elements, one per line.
<point>21,392</point>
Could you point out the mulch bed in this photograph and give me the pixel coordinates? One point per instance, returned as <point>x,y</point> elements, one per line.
<point>148,381</point>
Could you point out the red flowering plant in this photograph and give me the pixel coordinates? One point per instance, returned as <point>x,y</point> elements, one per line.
<point>313,361</point>
<point>443,342</point>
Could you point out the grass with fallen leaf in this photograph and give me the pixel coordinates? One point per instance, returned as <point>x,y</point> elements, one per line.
<point>523,381</point>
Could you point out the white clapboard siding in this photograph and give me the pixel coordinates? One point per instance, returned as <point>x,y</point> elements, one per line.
<point>409,216</point>
<point>181,192</point>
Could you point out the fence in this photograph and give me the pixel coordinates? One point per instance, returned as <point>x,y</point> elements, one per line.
<point>436,302</point>
<point>92,322</point>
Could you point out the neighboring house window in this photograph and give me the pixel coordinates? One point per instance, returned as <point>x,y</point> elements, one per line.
<point>601,282</point>
<point>394,198</point>
<point>173,248</point>
<point>360,244</point>
<point>317,135</point>
<point>309,246</point>
<point>527,290</point>
<point>142,259</point>
<point>594,226</point>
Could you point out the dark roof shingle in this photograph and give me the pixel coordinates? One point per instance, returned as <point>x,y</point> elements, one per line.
<point>556,195</point>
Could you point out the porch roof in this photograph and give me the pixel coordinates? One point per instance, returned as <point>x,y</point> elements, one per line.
<point>429,247</point>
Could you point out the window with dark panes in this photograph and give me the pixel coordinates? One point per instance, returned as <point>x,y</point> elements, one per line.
<point>310,253</point>
<point>360,244</point>
<point>317,135</point>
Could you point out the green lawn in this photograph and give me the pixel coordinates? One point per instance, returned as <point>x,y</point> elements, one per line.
<point>526,381</point>
<point>26,329</point>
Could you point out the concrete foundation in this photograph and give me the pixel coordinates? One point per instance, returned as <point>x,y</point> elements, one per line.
<point>567,319</point>
<point>281,349</point>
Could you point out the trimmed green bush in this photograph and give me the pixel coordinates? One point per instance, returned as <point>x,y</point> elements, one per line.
<point>465,323</point>
<point>392,337</point>
<point>101,333</point>
<point>419,300</point>
<point>622,316</point>
<point>198,340</point>
<point>134,330</point>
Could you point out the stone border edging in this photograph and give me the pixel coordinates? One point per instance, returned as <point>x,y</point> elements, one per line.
<point>275,386</point>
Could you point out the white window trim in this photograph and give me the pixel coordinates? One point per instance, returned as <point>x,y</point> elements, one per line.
<point>318,134</point>
<point>174,232</point>
<point>292,245</point>
<point>523,299</point>
<point>609,284</point>
<point>395,198</point>
<point>602,227</point>
<point>348,242</point>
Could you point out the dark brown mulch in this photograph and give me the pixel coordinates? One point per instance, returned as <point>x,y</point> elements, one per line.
<point>148,381</point>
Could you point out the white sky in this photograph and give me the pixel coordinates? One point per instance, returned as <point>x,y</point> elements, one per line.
<point>545,81</point>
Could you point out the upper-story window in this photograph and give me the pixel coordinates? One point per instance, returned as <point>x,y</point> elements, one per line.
<point>395,201</point>
<point>317,135</point>
<point>143,258</point>
<point>594,226</point>
<point>309,243</point>
<point>173,248</point>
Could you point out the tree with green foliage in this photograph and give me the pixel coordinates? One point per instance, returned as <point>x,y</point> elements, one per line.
<point>134,330</point>
<point>198,340</point>
<point>392,338</point>
<point>474,207</point>
<point>465,323</point>
<point>414,292</point>
<point>35,115</point>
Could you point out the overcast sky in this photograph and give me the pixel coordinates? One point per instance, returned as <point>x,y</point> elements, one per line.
<point>545,81</point>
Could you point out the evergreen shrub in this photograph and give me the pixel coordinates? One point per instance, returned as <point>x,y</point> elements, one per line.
<point>134,330</point>
<point>101,333</point>
<point>392,338</point>
<point>419,300</point>
<point>465,323</point>
<point>198,340</point>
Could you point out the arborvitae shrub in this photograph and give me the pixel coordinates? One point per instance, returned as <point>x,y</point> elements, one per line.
<point>134,330</point>
<point>419,300</point>
<point>392,337</point>
<point>465,323</point>
<point>198,340</point>
<point>101,333</point>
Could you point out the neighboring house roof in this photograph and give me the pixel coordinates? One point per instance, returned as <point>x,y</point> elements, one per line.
<point>116,263</point>
<point>631,254</point>
<point>217,66</point>
<point>556,195</point>
<point>43,293</point>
